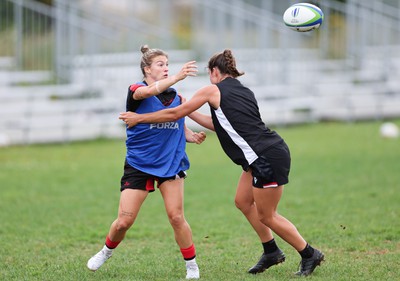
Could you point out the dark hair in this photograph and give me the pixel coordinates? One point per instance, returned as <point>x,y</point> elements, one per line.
<point>225,62</point>
<point>149,55</point>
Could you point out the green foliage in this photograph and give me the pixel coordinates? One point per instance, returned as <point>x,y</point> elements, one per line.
<point>57,202</point>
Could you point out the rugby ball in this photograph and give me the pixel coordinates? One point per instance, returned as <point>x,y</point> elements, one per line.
<point>303,17</point>
<point>389,130</point>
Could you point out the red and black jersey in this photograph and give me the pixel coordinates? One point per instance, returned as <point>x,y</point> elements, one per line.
<point>165,97</point>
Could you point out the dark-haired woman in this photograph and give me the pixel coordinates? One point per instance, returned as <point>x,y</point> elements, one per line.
<point>155,152</point>
<point>262,153</point>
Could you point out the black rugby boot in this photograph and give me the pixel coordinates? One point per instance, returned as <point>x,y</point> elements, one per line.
<point>307,266</point>
<point>268,260</point>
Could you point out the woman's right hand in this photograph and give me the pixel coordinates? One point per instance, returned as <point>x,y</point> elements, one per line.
<point>188,69</point>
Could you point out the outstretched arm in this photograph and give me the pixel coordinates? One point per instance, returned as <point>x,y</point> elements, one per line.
<point>207,94</point>
<point>188,69</point>
<point>202,119</point>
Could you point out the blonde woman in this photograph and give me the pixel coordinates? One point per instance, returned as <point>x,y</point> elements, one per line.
<point>155,153</point>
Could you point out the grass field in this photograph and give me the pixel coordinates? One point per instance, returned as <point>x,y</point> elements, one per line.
<point>57,202</point>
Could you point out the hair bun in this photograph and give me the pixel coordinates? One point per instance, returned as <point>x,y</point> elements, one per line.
<point>144,49</point>
<point>227,53</point>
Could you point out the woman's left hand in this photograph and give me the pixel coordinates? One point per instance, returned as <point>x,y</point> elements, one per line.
<point>130,118</point>
<point>198,138</point>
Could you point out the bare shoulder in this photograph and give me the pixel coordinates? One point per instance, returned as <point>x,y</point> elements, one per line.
<point>212,95</point>
<point>208,91</point>
<point>209,88</point>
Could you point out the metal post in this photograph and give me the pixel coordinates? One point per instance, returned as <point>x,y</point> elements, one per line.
<point>238,25</point>
<point>325,34</point>
<point>72,38</point>
<point>195,27</point>
<point>208,28</point>
<point>18,9</point>
<point>350,37</point>
<point>266,8</point>
<point>58,41</point>
<point>166,13</point>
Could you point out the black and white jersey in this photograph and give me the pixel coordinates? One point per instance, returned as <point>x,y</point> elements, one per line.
<point>238,124</point>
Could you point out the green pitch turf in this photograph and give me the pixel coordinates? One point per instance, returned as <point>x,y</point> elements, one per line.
<point>57,202</point>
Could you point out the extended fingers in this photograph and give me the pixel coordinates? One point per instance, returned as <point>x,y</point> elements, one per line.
<point>123,115</point>
<point>128,118</point>
<point>190,68</point>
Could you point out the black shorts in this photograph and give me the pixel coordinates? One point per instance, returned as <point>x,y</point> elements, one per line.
<point>135,179</point>
<point>271,169</point>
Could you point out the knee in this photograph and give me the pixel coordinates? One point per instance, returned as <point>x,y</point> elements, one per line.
<point>123,225</point>
<point>267,220</point>
<point>243,205</point>
<point>176,219</point>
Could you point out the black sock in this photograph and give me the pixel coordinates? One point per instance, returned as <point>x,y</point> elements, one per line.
<point>270,246</point>
<point>307,252</point>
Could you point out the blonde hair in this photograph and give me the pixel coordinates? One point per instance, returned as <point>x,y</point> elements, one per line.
<point>148,56</point>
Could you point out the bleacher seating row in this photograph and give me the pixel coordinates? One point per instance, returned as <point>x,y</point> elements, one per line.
<point>88,107</point>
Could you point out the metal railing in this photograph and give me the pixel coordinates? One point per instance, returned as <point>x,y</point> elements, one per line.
<point>76,58</point>
<point>49,37</point>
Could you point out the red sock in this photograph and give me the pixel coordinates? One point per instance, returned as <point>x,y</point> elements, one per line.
<point>189,253</point>
<point>111,244</point>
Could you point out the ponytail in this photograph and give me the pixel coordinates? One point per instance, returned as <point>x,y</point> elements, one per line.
<point>226,63</point>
